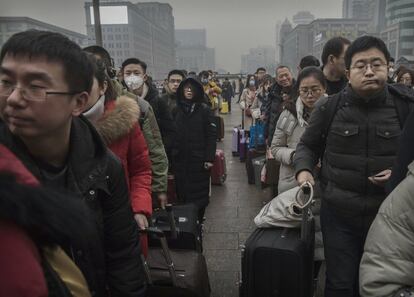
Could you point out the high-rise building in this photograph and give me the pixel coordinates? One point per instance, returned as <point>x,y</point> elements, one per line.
<point>12,25</point>
<point>143,30</point>
<point>303,18</point>
<point>192,51</point>
<point>262,56</point>
<point>285,29</point>
<point>399,34</point>
<point>356,9</point>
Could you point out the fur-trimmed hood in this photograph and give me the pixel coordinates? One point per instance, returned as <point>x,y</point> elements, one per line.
<point>119,119</point>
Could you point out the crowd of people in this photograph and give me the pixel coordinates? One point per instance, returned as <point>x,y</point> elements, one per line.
<point>86,153</point>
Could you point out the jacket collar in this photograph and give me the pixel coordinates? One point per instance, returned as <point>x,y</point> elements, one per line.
<point>87,155</point>
<point>119,119</point>
<point>373,100</point>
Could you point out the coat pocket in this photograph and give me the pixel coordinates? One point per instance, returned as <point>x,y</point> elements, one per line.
<point>386,138</point>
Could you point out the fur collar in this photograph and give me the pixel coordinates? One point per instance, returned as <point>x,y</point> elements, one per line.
<point>118,119</point>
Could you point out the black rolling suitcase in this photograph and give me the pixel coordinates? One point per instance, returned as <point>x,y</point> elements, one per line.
<point>172,273</point>
<point>180,225</point>
<point>252,154</point>
<point>278,262</point>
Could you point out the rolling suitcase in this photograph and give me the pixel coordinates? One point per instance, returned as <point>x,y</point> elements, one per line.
<point>218,171</point>
<point>279,261</point>
<point>220,127</point>
<point>243,137</point>
<point>258,164</point>
<point>252,154</point>
<point>172,273</point>
<point>180,225</point>
<point>235,141</point>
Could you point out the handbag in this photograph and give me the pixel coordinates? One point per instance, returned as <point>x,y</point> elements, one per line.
<point>285,210</point>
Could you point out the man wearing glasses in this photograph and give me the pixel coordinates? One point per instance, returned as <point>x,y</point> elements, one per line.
<point>45,80</point>
<point>174,79</point>
<point>356,134</point>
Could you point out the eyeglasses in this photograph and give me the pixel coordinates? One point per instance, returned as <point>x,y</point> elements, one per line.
<point>363,67</point>
<point>30,93</point>
<point>306,92</point>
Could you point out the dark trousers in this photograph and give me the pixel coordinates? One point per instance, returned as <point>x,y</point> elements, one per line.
<point>344,241</point>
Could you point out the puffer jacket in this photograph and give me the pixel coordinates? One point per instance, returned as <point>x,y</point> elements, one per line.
<point>120,131</point>
<point>362,141</point>
<point>95,176</point>
<point>288,131</point>
<point>152,135</point>
<point>193,146</point>
<point>387,264</point>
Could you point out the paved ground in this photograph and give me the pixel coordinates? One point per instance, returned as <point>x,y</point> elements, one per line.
<point>230,218</point>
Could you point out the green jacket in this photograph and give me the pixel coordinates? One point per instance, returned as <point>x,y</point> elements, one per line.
<point>387,265</point>
<point>152,135</point>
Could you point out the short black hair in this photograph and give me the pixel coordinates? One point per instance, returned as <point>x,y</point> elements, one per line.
<point>392,59</point>
<point>280,67</point>
<point>365,43</point>
<point>333,46</point>
<point>309,61</point>
<point>260,69</point>
<point>176,72</point>
<point>130,61</point>
<point>55,47</point>
<point>102,52</point>
<point>311,71</point>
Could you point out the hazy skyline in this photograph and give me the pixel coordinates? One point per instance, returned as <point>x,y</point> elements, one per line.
<point>233,26</point>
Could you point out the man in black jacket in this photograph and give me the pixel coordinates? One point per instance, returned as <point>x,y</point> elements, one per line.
<point>282,89</point>
<point>44,83</point>
<point>135,76</point>
<point>333,62</point>
<point>357,141</point>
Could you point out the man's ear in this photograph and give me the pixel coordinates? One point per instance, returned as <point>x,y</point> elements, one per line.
<point>145,77</point>
<point>79,103</point>
<point>348,74</point>
<point>331,59</point>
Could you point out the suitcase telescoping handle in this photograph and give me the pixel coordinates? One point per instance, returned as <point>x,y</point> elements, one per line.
<point>307,190</point>
<point>173,226</point>
<point>166,251</point>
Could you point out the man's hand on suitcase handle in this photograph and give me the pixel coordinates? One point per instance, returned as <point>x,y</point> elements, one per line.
<point>162,199</point>
<point>305,176</point>
<point>141,220</point>
<point>208,165</point>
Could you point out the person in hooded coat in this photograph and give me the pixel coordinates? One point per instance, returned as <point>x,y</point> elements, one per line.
<point>195,145</point>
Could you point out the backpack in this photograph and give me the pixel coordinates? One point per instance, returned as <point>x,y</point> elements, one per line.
<point>404,104</point>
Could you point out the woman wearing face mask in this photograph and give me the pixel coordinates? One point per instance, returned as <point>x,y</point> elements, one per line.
<point>247,98</point>
<point>195,146</point>
<point>117,123</point>
<point>290,127</point>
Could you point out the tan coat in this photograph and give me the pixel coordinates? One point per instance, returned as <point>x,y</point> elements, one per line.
<point>247,99</point>
<point>387,265</point>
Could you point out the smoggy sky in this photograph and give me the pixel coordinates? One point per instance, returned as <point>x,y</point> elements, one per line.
<point>233,26</point>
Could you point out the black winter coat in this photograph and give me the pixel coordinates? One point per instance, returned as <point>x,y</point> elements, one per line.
<point>274,109</point>
<point>96,176</point>
<point>164,118</point>
<point>195,144</point>
<point>362,141</point>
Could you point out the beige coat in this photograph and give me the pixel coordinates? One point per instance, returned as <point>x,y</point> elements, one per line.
<point>288,131</point>
<point>387,265</point>
<point>247,100</point>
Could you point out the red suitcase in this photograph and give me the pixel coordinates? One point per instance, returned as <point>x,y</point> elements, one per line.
<point>218,171</point>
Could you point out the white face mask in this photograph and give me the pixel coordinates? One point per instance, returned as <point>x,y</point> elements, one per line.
<point>96,111</point>
<point>134,82</point>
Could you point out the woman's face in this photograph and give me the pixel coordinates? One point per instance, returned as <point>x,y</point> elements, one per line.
<point>407,80</point>
<point>96,92</point>
<point>310,91</point>
<point>188,92</point>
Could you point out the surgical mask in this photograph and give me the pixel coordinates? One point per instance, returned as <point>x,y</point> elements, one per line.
<point>391,72</point>
<point>134,82</point>
<point>96,111</point>
<point>252,83</point>
<point>204,81</point>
